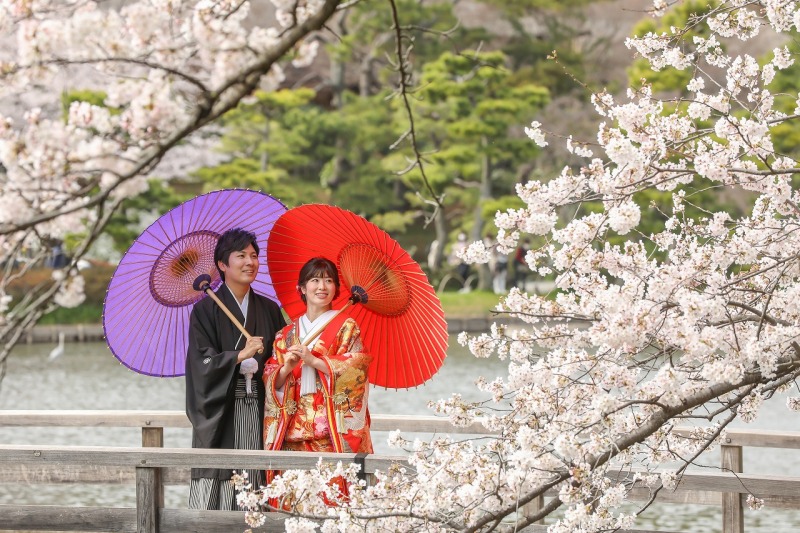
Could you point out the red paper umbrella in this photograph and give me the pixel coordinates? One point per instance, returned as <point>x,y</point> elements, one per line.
<point>169,268</point>
<point>401,319</point>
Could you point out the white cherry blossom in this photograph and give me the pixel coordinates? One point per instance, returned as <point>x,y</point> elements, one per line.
<point>698,316</point>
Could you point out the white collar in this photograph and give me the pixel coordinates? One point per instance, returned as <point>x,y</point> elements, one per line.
<point>245,301</point>
<point>243,307</point>
<point>307,326</point>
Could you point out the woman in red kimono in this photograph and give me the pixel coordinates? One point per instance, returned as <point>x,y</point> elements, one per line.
<point>316,395</point>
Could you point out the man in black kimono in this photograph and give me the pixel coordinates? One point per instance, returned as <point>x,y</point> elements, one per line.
<point>223,412</point>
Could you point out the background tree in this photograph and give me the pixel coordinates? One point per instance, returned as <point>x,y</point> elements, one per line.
<point>361,68</point>
<point>468,108</point>
<point>277,141</point>
<point>538,28</point>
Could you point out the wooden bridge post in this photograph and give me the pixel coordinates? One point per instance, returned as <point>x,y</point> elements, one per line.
<point>533,507</point>
<point>149,485</point>
<point>732,510</point>
<point>146,500</point>
<point>153,437</point>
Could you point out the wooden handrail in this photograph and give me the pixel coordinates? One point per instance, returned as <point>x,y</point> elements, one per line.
<point>11,454</point>
<point>177,419</point>
<point>756,438</point>
<point>181,457</point>
<point>153,467</point>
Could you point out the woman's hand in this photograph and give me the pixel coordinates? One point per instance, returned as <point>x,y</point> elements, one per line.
<point>291,360</point>
<point>303,353</point>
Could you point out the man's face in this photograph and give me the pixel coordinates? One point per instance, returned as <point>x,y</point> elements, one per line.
<point>242,267</point>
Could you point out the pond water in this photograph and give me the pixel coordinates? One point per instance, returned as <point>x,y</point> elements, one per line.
<point>87,376</point>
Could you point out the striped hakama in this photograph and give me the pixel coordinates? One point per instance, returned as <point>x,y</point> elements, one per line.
<point>220,494</point>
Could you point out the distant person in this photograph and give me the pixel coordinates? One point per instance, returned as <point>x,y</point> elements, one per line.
<point>499,266</point>
<point>433,253</point>
<point>521,269</point>
<point>225,413</point>
<point>462,268</point>
<point>59,259</point>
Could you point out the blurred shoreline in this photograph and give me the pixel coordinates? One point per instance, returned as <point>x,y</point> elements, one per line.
<point>49,333</point>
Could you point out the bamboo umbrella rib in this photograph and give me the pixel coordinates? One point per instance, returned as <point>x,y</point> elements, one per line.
<point>150,313</point>
<point>371,259</point>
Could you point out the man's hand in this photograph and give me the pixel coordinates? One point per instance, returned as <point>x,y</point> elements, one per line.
<point>251,347</point>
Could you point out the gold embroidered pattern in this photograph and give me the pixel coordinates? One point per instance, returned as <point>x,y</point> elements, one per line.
<point>290,407</point>
<point>274,411</point>
<point>339,398</point>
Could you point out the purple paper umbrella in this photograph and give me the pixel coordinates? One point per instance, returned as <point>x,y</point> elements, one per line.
<point>152,292</point>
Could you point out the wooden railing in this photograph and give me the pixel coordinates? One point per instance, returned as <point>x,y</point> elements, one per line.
<point>152,466</point>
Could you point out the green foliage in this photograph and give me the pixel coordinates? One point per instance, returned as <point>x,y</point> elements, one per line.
<point>518,8</point>
<point>285,144</point>
<point>671,79</point>
<point>242,173</point>
<point>475,304</point>
<point>96,98</point>
<point>785,87</point>
<point>394,221</point>
<point>278,143</point>
<point>85,313</point>
<point>467,111</point>
<point>356,175</point>
<point>270,128</point>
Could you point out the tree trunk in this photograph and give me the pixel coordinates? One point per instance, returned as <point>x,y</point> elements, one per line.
<point>440,225</point>
<point>366,78</point>
<point>484,274</point>
<point>338,74</point>
<point>264,160</point>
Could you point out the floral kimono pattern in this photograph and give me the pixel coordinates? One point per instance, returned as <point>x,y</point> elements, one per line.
<point>335,417</point>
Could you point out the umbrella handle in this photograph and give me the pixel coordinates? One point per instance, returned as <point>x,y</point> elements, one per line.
<point>227,311</point>
<point>319,330</point>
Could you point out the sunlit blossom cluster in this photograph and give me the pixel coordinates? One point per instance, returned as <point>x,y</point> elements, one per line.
<point>699,316</point>
<point>71,293</point>
<point>632,335</point>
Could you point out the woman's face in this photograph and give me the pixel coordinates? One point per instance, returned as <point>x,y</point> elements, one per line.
<point>319,291</point>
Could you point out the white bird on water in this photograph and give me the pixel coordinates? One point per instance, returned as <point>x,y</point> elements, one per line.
<point>58,350</point>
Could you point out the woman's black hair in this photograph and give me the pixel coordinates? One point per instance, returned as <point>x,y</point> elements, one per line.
<point>318,267</point>
<point>233,240</point>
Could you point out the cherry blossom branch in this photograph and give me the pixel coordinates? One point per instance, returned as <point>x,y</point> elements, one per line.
<point>403,90</point>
